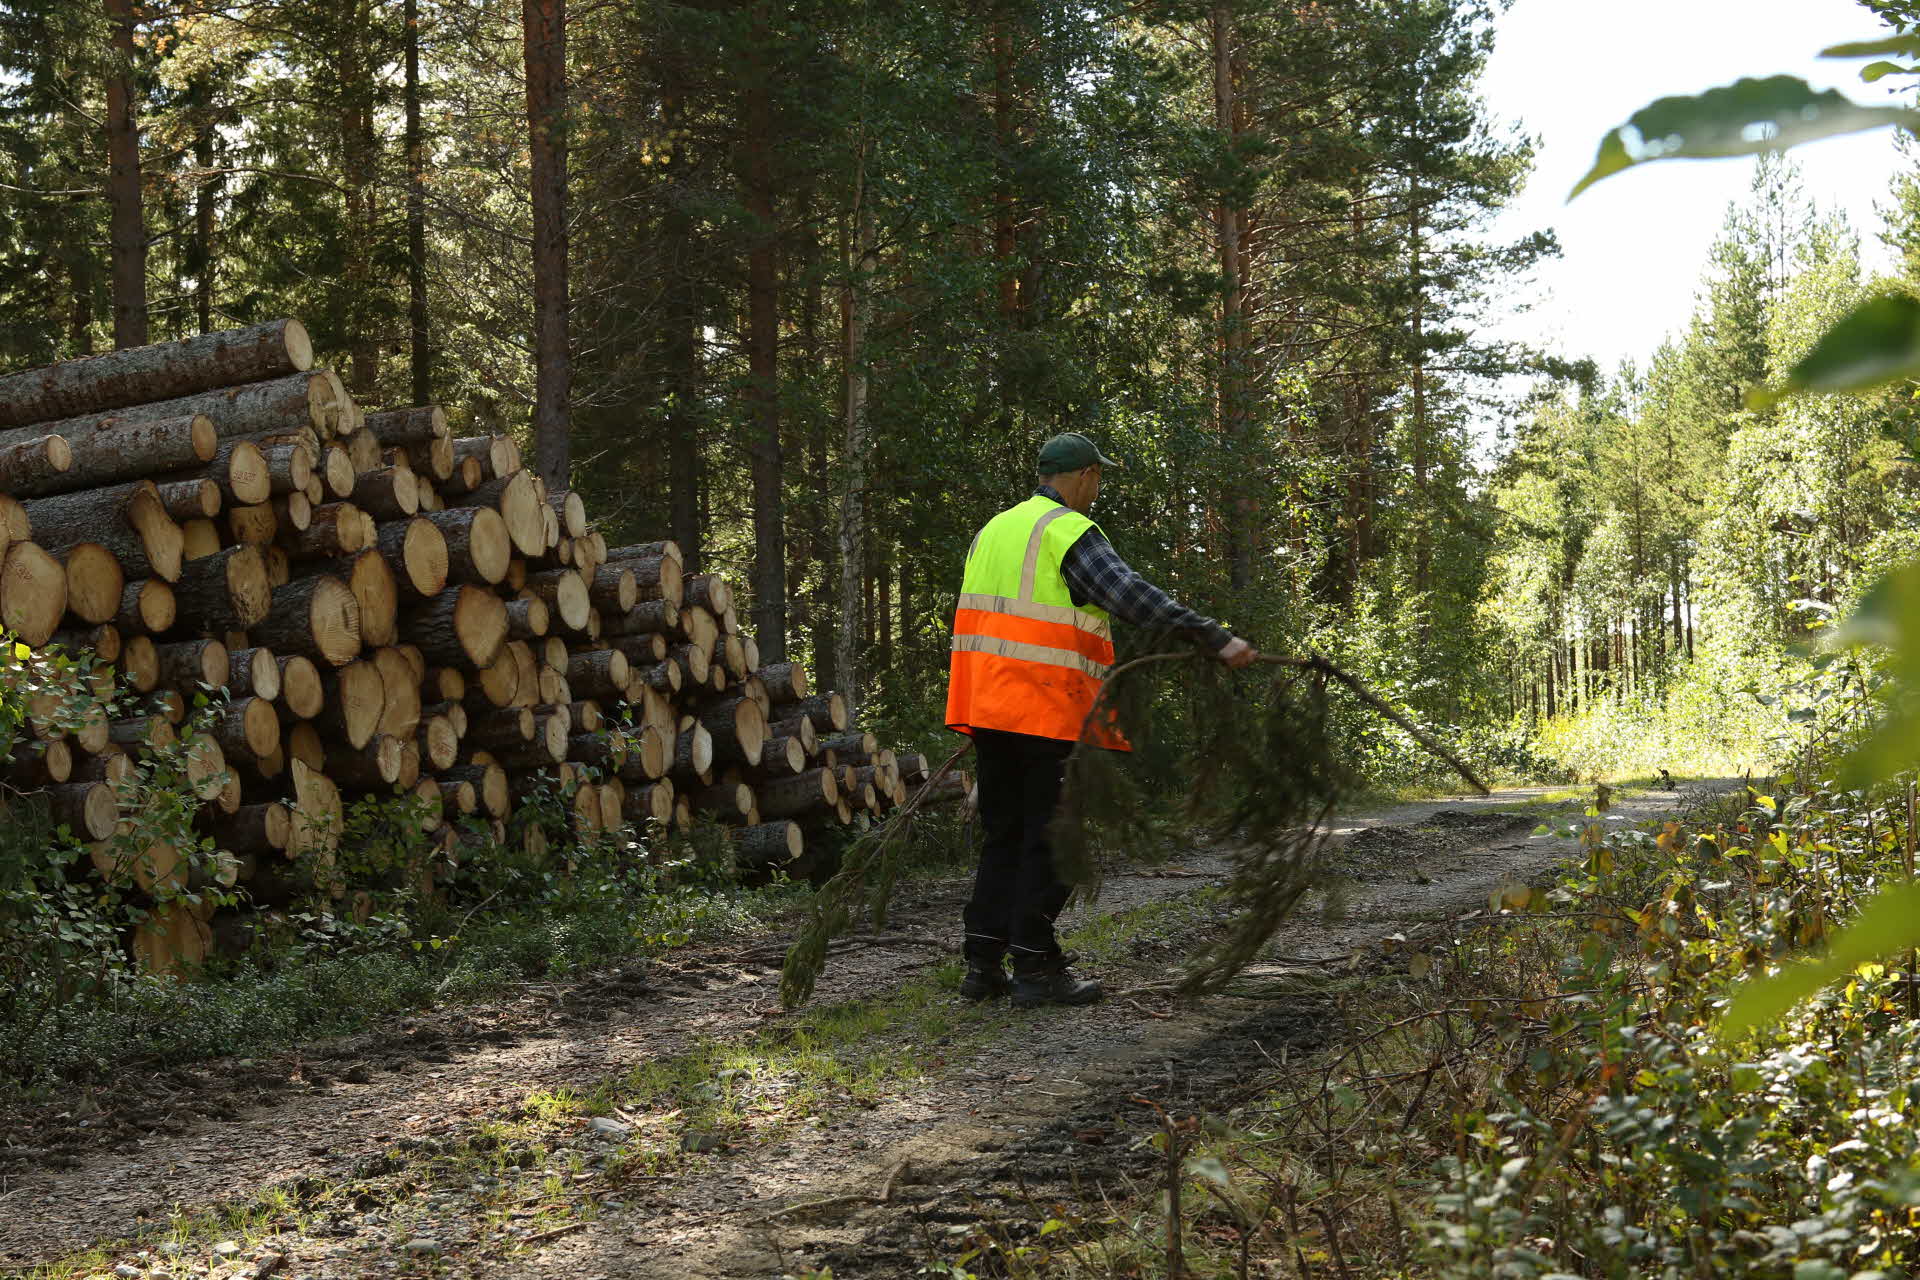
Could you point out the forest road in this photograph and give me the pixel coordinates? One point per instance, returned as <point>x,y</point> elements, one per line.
<point>874,1187</point>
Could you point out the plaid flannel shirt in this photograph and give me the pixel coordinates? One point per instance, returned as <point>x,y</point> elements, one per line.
<point>1095,572</point>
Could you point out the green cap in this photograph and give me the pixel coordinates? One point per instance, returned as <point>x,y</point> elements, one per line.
<point>1071,451</point>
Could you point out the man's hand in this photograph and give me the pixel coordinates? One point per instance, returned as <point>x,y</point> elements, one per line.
<point>1238,653</point>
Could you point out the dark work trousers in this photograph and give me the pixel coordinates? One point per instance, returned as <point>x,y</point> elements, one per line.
<point>1016,893</point>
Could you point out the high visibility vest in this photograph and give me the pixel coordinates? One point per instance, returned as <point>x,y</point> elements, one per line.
<point>1026,659</point>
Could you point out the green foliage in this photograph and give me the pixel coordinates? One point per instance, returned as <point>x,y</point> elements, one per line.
<point>1748,117</point>
<point>62,929</point>
<point>1876,343</point>
<point>1741,1156</point>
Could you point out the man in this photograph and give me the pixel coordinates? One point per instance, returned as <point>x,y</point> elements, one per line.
<point>1031,645</point>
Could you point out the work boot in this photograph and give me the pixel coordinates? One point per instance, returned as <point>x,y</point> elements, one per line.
<point>1039,980</point>
<point>984,980</point>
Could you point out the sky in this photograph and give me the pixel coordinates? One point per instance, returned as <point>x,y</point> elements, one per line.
<point>1634,246</point>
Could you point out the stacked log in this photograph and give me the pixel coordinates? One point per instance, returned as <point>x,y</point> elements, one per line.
<point>374,606</point>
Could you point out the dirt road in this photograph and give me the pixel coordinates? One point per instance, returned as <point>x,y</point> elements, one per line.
<point>457,1142</point>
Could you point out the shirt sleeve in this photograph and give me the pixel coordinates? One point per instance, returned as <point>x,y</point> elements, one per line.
<point>1096,574</point>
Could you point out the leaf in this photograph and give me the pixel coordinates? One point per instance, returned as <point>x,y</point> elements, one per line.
<point>1905,46</point>
<point>1875,343</point>
<point>1889,922</point>
<point>1880,70</point>
<point>1888,616</point>
<point>1745,118</point>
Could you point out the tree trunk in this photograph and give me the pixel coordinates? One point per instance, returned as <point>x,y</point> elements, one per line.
<point>545,30</point>
<point>763,338</point>
<point>1234,336</point>
<point>205,195</point>
<point>129,233</point>
<point>419,347</point>
<point>853,498</point>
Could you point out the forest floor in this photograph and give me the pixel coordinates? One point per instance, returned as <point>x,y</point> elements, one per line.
<point>667,1119</point>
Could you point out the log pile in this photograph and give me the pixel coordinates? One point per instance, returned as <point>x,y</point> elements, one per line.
<point>378,607</point>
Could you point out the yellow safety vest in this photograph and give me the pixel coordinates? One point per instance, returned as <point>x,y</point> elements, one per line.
<point>1026,659</point>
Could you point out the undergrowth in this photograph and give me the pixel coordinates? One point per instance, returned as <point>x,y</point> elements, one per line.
<point>1540,1091</point>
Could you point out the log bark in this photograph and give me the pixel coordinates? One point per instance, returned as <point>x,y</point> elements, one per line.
<point>141,375</point>
<point>409,426</point>
<point>373,767</point>
<point>188,663</point>
<point>613,589</point>
<point>828,711</point>
<point>598,673</point>
<point>728,801</point>
<point>189,499</point>
<point>781,757</point>
<point>490,785</point>
<point>479,547</point>
<point>653,803</point>
<point>253,673</point>
<point>148,606</point>
<point>336,529</point>
<point>226,591</point>
<point>298,406</point>
<point>527,619</point>
<point>566,596</point>
<point>806,793</point>
<point>264,828</point>
<point>604,750</point>
<point>515,498</point>
<point>289,467</point>
<point>710,591</point>
<point>88,809</point>
<point>315,617</point>
<point>739,730</point>
<point>655,577</point>
<point>767,844</point>
<point>850,748</point>
<point>126,519</point>
<point>648,617</point>
<point>416,552</point>
<point>37,762</point>
<point>797,727</point>
<point>109,450</point>
<point>785,682</point>
<point>247,727</point>
<point>104,640</point>
<point>434,459</point>
<point>465,626</point>
<point>390,493</point>
<point>28,466</point>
